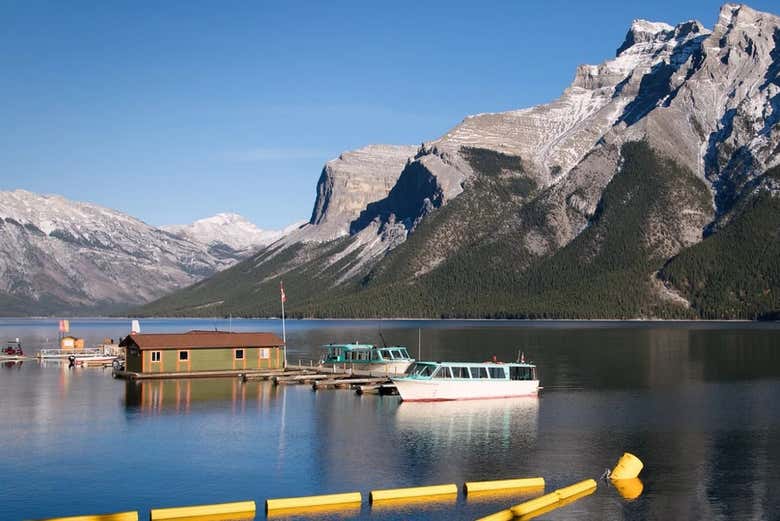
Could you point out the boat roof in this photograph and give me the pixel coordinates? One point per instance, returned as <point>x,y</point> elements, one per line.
<point>483,364</point>
<point>354,347</point>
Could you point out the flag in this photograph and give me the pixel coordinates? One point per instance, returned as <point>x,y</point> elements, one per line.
<point>281,291</point>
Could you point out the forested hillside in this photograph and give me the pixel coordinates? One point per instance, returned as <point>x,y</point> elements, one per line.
<point>735,273</point>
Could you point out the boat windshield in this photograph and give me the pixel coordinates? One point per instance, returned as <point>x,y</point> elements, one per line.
<point>424,370</point>
<point>394,353</point>
<point>522,373</point>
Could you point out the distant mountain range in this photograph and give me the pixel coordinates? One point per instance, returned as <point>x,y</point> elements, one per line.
<point>650,188</point>
<point>65,257</point>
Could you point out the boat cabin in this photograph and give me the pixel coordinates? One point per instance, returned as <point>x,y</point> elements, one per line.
<point>471,371</point>
<point>13,348</point>
<point>363,353</point>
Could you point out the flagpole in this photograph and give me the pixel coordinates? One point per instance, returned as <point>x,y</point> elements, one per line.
<point>284,331</point>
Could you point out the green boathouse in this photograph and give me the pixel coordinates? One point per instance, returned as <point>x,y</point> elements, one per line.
<point>202,351</point>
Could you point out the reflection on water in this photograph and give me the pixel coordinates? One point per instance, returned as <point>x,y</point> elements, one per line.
<point>158,396</point>
<point>629,489</point>
<point>452,424</point>
<point>696,402</point>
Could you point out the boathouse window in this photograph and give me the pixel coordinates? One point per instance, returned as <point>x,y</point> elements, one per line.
<point>443,372</point>
<point>239,354</point>
<point>264,352</point>
<point>155,356</point>
<point>184,356</point>
<point>478,372</point>
<point>460,371</point>
<point>497,373</point>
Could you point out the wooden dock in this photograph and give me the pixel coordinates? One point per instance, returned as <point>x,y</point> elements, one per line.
<point>318,378</point>
<point>243,374</point>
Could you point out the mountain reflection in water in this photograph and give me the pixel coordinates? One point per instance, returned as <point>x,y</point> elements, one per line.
<point>697,402</point>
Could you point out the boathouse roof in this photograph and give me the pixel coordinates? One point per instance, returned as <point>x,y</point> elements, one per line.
<point>201,340</point>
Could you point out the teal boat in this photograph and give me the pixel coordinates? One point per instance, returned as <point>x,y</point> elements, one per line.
<point>367,358</point>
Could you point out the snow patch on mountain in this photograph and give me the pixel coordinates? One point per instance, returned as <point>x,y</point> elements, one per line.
<point>229,229</point>
<point>62,256</point>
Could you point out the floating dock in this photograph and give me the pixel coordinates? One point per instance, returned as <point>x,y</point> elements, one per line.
<point>318,378</point>
<point>260,374</point>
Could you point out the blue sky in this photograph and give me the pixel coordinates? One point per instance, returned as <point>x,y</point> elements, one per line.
<point>175,111</point>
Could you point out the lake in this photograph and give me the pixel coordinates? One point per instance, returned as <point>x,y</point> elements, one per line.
<point>699,403</point>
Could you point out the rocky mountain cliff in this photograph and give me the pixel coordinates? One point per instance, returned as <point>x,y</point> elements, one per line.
<point>62,256</point>
<point>579,207</point>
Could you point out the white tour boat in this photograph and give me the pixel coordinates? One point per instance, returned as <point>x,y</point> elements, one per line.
<point>436,381</point>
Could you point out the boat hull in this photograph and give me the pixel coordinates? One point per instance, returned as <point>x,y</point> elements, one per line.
<point>371,369</point>
<point>412,390</point>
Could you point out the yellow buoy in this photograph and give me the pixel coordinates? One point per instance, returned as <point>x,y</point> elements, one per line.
<point>629,488</point>
<point>119,516</point>
<point>628,466</point>
<point>535,504</point>
<point>399,493</point>
<point>573,490</point>
<point>481,486</point>
<point>313,501</point>
<point>220,509</point>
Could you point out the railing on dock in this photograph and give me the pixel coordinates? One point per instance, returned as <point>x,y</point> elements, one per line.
<point>65,353</point>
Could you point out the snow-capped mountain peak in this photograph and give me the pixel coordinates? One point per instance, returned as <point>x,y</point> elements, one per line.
<point>229,229</point>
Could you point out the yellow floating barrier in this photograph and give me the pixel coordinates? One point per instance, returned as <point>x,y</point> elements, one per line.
<point>481,486</point>
<point>573,490</point>
<point>504,515</point>
<point>629,488</point>
<point>118,516</point>
<point>511,495</point>
<point>628,466</point>
<point>560,504</point>
<point>338,511</point>
<point>220,509</point>
<point>421,502</point>
<point>402,493</point>
<point>237,516</point>
<point>535,504</point>
<point>313,501</point>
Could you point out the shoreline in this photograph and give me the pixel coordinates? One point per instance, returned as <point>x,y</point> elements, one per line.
<point>413,319</point>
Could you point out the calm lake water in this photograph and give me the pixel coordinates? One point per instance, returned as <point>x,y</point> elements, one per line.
<point>699,403</point>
